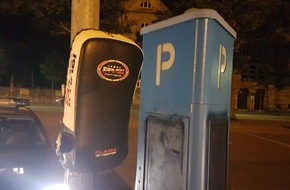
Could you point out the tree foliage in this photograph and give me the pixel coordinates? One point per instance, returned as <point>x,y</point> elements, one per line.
<point>110,13</point>
<point>252,19</point>
<point>52,15</point>
<point>263,33</point>
<point>262,26</point>
<point>42,26</point>
<point>53,67</point>
<point>55,15</point>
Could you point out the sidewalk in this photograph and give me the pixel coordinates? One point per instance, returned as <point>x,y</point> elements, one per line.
<point>255,115</point>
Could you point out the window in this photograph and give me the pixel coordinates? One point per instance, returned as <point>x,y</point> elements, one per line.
<point>20,132</point>
<point>146,4</point>
<point>252,72</point>
<point>143,24</point>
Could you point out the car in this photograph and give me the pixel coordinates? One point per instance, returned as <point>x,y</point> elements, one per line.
<point>27,157</point>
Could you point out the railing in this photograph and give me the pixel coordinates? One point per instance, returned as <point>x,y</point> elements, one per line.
<point>33,94</point>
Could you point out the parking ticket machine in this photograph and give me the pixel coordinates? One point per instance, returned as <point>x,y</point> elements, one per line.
<point>185,103</point>
<point>102,74</point>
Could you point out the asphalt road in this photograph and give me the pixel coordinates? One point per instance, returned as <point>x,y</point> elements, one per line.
<point>259,155</point>
<point>259,151</point>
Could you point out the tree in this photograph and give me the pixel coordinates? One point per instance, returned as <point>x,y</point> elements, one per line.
<point>3,70</point>
<point>247,17</point>
<point>262,26</point>
<point>47,21</point>
<point>111,11</point>
<point>262,30</point>
<point>55,15</point>
<point>179,7</point>
<point>53,68</point>
<point>3,63</point>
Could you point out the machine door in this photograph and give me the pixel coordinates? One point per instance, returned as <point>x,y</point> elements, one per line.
<point>217,151</point>
<point>166,150</point>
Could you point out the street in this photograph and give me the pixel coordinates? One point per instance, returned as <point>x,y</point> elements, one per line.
<point>259,151</point>
<point>259,155</point>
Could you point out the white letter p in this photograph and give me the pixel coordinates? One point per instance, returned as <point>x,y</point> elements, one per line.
<point>166,65</point>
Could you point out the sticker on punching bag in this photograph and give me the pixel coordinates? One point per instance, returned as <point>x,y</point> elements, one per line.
<point>113,70</point>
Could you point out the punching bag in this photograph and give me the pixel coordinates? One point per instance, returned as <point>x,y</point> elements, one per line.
<point>102,74</point>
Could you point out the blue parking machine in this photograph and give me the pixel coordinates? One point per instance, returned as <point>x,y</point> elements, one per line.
<point>185,103</point>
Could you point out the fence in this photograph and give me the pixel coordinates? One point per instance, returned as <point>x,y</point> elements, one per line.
<point>34,95</point>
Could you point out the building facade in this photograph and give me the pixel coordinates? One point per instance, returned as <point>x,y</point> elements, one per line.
<point>252,96</point>
<point>140,13</point>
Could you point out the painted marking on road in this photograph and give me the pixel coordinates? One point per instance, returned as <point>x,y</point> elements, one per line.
<point>266,139</point>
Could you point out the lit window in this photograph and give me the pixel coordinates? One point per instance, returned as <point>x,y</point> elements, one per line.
<point>146,4</point>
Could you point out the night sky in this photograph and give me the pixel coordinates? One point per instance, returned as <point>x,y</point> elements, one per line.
<point>26,47</point>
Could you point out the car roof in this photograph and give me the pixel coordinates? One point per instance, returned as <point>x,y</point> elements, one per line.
<point>12,112</point>
<point>15,107</point>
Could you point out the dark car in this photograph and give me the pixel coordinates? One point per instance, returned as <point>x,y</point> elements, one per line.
<point>27,158</point>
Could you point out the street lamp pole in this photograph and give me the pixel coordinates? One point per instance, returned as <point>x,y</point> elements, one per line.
<point>85,14</point>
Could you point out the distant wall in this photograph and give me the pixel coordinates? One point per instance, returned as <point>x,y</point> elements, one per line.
<point>34,95</point>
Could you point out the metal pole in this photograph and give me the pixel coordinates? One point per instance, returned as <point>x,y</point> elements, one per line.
<point>85,14</point>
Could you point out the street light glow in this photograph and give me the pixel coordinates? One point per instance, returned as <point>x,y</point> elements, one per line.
<point>57,187</point>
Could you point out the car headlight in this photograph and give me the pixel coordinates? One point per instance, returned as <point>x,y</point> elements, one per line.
<point>18,171</point>
<point>57,187</point>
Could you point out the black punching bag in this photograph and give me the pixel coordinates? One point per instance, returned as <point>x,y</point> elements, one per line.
<point>102,74</point>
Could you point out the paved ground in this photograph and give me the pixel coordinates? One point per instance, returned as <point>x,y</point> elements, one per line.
<point>259,157</point>
<point>259,151</point>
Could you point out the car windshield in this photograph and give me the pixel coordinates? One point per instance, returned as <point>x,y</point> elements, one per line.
<point>20,133</point>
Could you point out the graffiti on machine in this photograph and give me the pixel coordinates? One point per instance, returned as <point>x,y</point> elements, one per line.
<point>113,70</point>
